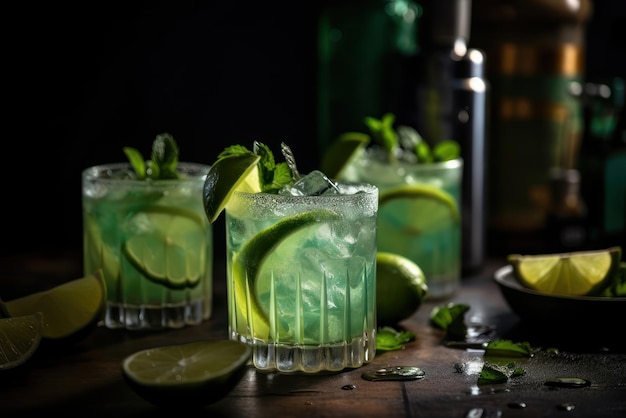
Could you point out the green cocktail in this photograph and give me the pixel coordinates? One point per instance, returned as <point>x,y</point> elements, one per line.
<point>420,194</point>
<point>153,242</point>
<point>300,271</point>
<point>418,215</point>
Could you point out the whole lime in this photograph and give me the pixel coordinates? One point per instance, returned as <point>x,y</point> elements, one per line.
<point>400,288</point>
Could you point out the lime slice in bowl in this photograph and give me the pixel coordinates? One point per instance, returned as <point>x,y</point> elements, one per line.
<point>579,273</point>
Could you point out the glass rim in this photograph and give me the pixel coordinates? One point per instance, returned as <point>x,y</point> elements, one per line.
<point>196,171</point>
<point>368,189</point>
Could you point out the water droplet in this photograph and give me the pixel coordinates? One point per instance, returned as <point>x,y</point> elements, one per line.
<point>475,413</point>
<point>394,373</point>
<point>517,405</point>
<point>567,382</point>
<point>348,387</point>
<point>566,407</point>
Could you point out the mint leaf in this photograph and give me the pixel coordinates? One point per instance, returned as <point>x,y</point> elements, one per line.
<point>496,373</point>
<point>165,156</point>
<point>137,161</point>
<point>163,162</point>
<point>450,318</point>
<point>383,132</point>
<point>508,348</point>
<point>446,150</point>
<point>388,339</point>
<point>233,150</point>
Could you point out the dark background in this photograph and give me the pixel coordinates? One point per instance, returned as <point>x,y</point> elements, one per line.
<point>83,80</point>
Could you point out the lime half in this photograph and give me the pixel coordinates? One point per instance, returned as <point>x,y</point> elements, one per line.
<point>19,338</point>
<point>247,263</point>
<point>235,172</point>
<point>191,374</point>
<point>341,152</point>
<point>168,246</point>
<point>570,274</point>
<point>400,287</point>
<point>69,309</point>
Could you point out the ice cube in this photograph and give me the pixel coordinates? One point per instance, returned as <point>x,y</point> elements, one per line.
<point>313,184</point>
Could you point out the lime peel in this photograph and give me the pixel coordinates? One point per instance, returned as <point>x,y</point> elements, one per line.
<point>224,177</point>
<point>414,191</point>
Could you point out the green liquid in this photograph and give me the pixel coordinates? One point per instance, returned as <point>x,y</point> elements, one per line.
<point>316,289</point>
<point>434,243</point>
<point>154,244</point>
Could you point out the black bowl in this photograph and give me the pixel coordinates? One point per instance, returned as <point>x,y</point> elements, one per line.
<point>562,311</point>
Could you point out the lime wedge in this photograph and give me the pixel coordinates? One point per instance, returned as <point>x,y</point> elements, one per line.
<point>185,375</point>
<point>19,338</point>
<point>577,273</point>
<point>235,172</point>
<point>71,309</point>
<point>168,247</point>
<point>340,153</point>
<point>430,206</point>
<point>247,263</point>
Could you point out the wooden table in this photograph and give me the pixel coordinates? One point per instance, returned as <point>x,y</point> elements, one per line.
<point>86,378</point>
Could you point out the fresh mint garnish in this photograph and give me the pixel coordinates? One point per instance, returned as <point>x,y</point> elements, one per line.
<point>406,138</point>
<point>163,159</point>
<point>388,339</point>
<point>272,176</point>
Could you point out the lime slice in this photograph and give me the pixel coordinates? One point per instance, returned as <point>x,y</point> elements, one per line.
<point>400,287</point>
<point>71,309</point>
<point>431,207</point>
<point>247,263</point>
<point>184,375</point>
<point>235,172</point>
<point>341,152</point>
<point>98,255</point>
<point>168,247</point>
<point>19,338</point>
<point>575,274</point>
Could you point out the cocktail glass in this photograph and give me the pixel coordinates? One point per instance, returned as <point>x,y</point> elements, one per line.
<point>301,278</point>
<point>418,215</point>
<point>153,242</point>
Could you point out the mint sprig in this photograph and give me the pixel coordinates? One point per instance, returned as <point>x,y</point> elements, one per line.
<point>393,140</point>
<point>272,176</point>
<point>163,159</point>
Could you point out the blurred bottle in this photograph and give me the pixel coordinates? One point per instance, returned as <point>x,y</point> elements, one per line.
<point>365,54</point>
<point>566,227</point>
<point>535,50</point>
<point>602,160</point>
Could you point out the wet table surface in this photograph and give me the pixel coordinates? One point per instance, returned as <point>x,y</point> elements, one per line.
<point>86,377</point>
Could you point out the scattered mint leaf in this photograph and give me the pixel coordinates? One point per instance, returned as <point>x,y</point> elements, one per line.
<point>508,348</point>
<point>496,373</point>
<point>388,339</point>
<point>450,318</point>
<point>446,150</point>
